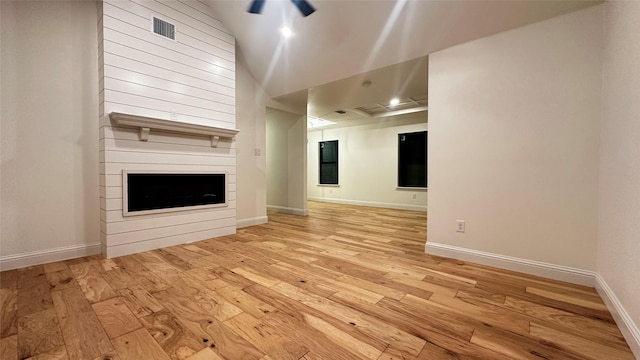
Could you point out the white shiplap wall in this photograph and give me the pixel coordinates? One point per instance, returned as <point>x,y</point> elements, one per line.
<point>142,73</point>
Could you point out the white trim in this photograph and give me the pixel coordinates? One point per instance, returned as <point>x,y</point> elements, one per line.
<point>625,323</point>
<point>371,203</point>
<point>39,257</point>
<point>406,188</point>
<point>288,210</point>
<point>242,223</point>
<point>533,267</point>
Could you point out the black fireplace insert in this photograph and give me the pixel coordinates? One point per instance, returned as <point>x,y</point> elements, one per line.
<point>154,191</point>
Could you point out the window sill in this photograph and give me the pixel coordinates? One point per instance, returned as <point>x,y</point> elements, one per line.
<point>412,188</point>
<point>329,185</point>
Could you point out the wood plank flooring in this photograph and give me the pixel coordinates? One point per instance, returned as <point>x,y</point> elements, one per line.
<point>346,283</point>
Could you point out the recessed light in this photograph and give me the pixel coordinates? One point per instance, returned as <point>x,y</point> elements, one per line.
<point>286,31</point>
<point>394,102</point>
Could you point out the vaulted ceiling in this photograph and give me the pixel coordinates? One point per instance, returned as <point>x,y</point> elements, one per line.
<point>343,43</point>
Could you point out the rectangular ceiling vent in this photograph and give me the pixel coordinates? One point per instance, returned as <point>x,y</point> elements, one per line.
<point>164,28</point>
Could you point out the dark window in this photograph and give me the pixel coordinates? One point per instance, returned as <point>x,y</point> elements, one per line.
<point>412,159</point>
<point>329,162</point>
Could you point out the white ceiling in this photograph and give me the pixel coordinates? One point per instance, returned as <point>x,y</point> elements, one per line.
<point>340,45</point>
<point>403,80</point>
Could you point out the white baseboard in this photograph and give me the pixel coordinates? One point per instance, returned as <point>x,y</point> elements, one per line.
<point>625,323</point>
<point>288,210</point>
<point>40,257</point>
<point>372,204</point>
<point>551,271</point>
<point>242,223</point>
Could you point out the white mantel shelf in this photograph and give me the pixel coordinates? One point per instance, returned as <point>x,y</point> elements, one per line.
<point>146,124</point>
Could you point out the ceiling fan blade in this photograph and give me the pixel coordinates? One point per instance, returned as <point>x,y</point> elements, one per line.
<point>256,6</point>
<point>305,8</point>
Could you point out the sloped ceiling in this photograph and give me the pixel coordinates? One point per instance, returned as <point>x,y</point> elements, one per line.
<point>345,38</point>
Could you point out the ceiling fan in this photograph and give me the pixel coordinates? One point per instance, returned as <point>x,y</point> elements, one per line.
<point>303,5</point>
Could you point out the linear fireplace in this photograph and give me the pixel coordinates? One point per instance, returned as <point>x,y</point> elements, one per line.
<point>154,192</point>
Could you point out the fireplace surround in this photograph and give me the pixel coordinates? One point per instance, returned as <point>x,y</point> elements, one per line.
<point>166,106</point>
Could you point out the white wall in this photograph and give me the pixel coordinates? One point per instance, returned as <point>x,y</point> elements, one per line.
<point>253,106</point>
<point>297,157</point>
<point>619,189</point>
<point>149,75</point>
<point>142,73</point>
<point>251,166</point>
<point>278,124</point>
<point>367,164</point>
<point>513,147</point>
<point>49,131</point>
<point>286,161</point>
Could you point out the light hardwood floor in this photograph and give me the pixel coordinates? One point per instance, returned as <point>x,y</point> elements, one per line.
<point>344,283</point>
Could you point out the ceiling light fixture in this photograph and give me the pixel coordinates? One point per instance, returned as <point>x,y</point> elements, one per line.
<point>286,31</point>
<point>394,102</point>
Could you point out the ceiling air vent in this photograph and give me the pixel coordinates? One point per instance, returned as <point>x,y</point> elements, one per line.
<point>164,28</point>
<point>341,112</point>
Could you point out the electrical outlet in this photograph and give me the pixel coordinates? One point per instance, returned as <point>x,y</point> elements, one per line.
<point>330,191</point>
<point>256,152</point>
<point>173,114</point>
<point>460,226</point>
<point>413,196</point>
